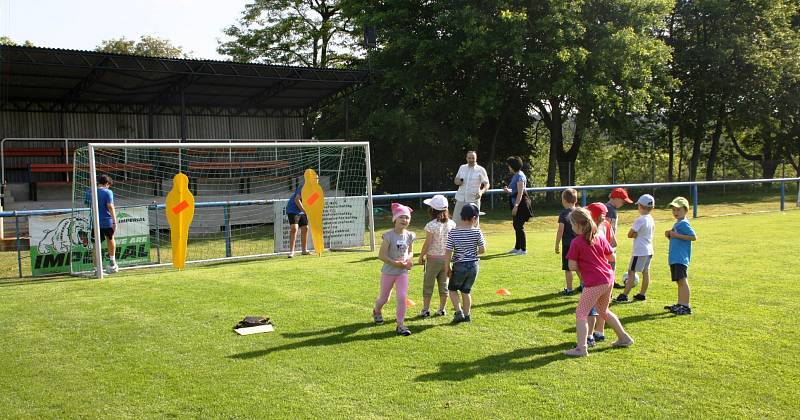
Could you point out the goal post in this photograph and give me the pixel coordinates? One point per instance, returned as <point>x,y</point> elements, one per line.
<point>240,193</point>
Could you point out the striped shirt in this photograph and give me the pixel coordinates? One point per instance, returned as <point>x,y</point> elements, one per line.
<point>464,244</point>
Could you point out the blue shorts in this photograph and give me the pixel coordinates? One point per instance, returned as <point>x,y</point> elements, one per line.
<point>464,275</point>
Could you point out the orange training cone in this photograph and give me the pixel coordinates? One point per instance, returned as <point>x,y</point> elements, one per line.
<point>409,303</point>
<point>503,292</point>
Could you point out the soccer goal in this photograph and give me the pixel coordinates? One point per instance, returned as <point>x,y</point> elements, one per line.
<point>240,192</point>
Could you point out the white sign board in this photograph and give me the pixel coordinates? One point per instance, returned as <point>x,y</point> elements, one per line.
<point>343,224</point>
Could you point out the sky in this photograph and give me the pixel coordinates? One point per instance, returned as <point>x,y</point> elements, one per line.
<point>194,25</point>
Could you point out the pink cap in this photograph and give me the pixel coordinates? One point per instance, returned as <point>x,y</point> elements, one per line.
<point>597,210</point>
<point>400,210</point>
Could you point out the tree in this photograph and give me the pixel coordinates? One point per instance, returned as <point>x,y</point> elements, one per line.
<point>311,33</point>
<point>148,46</point>
<point>4,40</point>
<point>729,57</point>
<point>592,62</point>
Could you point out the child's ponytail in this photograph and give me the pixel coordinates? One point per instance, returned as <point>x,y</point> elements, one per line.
<point>586,226</point>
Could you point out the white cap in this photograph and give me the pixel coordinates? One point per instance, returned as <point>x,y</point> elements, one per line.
<point>437,202</point>
<point>647,200</point>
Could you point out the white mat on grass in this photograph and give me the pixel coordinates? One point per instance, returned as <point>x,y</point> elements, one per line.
<point>255,330</point>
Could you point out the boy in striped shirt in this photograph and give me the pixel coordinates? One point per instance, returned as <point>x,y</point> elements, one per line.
<point>464,243</point>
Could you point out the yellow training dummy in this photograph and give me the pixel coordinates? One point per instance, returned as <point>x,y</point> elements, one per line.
<point>180,211</point>
<point>314,202</point>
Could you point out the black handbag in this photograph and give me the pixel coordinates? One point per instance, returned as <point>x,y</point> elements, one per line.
<point>252,321</point>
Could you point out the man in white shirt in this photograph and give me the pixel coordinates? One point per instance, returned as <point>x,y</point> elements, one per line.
<point>472,182</point>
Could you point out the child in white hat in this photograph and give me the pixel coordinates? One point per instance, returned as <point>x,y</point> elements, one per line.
<point>642,234</point>
<point>433,253</point>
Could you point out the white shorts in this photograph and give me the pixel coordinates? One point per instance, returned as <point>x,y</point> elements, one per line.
<point>640,264</point>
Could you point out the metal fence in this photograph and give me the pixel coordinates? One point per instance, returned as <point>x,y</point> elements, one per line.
<point>385,198</point>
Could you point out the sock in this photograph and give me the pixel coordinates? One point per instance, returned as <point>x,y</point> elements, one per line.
<point>113,260</point>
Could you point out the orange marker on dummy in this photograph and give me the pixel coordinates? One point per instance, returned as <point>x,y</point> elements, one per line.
<point>314,202</point>
<point>180,212</point>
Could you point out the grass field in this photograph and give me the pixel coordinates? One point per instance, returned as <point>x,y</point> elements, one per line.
<point>159,343</point>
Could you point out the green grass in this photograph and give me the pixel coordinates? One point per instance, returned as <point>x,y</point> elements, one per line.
<point>159,343</point>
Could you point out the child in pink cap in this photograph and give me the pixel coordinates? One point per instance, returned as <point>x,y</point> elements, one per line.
<point>396,253</point>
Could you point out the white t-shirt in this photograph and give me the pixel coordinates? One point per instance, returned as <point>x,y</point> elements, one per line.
<point>644,226</point>
<point>438,232</point>
<point>473,178</point>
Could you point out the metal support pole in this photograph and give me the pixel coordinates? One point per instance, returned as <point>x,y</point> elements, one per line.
<point>98,245</point>
<point>226,216</point>
<point>371,215</point>
<point>19,245</point>
<point>694,201</point>
<point>158,236</point>
<point>783,196</point>
<point>584,193</point>
<point>420,183</point>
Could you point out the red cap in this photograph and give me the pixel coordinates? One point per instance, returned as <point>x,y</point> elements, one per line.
<point>620,193</point>
<point>597,210</point>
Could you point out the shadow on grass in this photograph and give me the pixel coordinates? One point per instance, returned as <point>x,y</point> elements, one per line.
<point>516,360</point>
<point>538,308</point>
<point>33,281</point>
<point>636,318</point>
<point>365,259</point>
<point>493,256</point>
<point>331,337</point>
<point>518,301</point>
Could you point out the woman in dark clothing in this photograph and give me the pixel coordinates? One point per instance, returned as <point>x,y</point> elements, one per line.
<point>520,203</point>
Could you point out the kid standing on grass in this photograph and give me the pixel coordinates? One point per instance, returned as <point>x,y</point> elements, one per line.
<point>680,252</point>
<point>588,255</point>
<point>617,199</point>
<point>464,244</point>
<point>642,234</point>
<point>397,254</point>
<point>598,212</point>
<point>433,254</point>
<point>564,235</point>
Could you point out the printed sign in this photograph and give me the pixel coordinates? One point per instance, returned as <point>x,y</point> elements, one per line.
<point>59,241</point>
<point>342,222</point>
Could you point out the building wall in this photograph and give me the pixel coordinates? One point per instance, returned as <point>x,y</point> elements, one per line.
<point>126,126</point>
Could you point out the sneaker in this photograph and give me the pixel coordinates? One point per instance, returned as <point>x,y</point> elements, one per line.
<point>290,255</point>
<point>590,342</point>
<point>639,297</point>
<point>577,352</point>
<point>403,330</point>
<point>521,252</point>
<point>441,312</point>
<point>378,318</point>
<point>458,317</point>
<point>618,286</point>
<point>113,268</point>
<point>621,298</point>
<point>513,251</point>
<point>598,337</point>
<point>467,318</point>
<point>622,343</point>
<point>567,292</point>
<point>306,253</point>
<point>672,308</point>
<point>579,289</point>
<point>683,310</point>
<point>425,313</point>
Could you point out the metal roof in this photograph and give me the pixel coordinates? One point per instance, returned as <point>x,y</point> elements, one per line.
<point>68,77</point>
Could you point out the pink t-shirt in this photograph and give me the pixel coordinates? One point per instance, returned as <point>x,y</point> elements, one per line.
<point>592,260</point>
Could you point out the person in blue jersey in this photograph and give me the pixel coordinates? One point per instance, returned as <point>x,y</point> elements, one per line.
<point>464,243</point>
<point>107,218</point>
<point>520,203</point>
<point>296,214</point>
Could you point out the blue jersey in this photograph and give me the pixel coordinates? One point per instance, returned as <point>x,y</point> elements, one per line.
<point>291,207</point>
<point>680,250</point>
<point>519,176</point>
<point>104,197</point>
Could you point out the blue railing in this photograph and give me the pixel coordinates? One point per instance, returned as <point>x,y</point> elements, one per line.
<point>226,205</point>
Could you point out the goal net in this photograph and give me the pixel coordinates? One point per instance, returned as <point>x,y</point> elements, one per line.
<point>240,192</point>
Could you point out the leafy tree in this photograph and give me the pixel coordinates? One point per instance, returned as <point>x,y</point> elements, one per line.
<point>292,32</point>
<point>148,46</point>
<point>4,40</point>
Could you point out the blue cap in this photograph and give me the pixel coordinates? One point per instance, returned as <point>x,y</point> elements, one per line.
<point>469,211</point>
